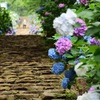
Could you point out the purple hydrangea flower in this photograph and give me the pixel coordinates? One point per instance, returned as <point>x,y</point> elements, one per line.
<point>46,13</point>
<point>78,20</point>
<point>93,41</point>
<point>61,5</point>
<point>58,68</point>
<point>70,74</point>
<point>98,43</point>
<point>80,31</point>
<point>84,2</point>
<point>63,45</point>
<point>91,89</point>
<point>53,54</point>
<point>65,83</point>
<point>42,21</point>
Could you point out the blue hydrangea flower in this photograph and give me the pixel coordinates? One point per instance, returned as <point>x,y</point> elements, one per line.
<point>82,56</point>
<point>41,8</point>
<point>58,68</point>
<point>64,57</point>
<point>87,38</point>
<point>76,61</point>
<point>70,74</point>
<point>0,32</point>
<point>53,54</point>
<point>65,83</point>
<point>37,11</point>
<point>68,37</point>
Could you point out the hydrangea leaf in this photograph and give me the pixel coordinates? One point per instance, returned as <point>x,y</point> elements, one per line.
<point>71,62</point>
<point>96,23</point>
<point>93,48</point>
<point>56,36</point>
<point>74,51</point>
<point>97,58</point>
<point>86,14</point>
<point>74,39</point>
<point>68,55</point>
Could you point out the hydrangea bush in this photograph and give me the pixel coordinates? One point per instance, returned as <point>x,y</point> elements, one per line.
<point>77,46</point>
<point>5,21</point>
<point>35,24</point>
<point>14,19</point>
<point>49,10</point>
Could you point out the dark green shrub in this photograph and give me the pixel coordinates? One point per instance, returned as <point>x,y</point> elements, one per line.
<point>5,21</point>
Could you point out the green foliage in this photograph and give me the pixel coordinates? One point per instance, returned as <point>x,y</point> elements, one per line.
<point>5,21</point>
<point>22,7</point>
<point>52,7</point>
<point>83,50</point>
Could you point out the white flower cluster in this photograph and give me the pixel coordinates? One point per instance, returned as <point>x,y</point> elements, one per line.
<point>64,23</point>
<point>81,69</point>
<point>89,96</point>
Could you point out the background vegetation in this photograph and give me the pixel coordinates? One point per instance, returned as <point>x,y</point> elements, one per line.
<point>23,7</point>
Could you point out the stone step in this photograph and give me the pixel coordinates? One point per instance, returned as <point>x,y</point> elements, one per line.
<point>25,70</point>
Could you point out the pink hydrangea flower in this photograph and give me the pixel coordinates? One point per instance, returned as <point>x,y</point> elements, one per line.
<point>83,2</point>
<point>63,45</point>
<point>91,89</point>
<point>61,5</point>
<point>42,21</point>
<point>46,13</point>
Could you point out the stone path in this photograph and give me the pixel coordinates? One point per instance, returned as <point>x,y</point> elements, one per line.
<point>21,30</point>
<point>25,70</point>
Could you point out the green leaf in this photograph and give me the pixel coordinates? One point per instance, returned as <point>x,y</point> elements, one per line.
<point>93,30</point>
<point>96,23</point>
<point>74,39</point>
<point>74,51</point>
<point>83,60</point>
<point>93,48</point>
<point>92,6</point>
<point>77,25</point>
<point>98,73</point>
<point>56,36</point>
<point>71,62</point>
<point>80,42</point>
<point>97,58</point>
<point>88,14</point>
<point>68,55</point>
<point>97,51</point>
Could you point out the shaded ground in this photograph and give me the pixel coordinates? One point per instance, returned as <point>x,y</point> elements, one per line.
<point>25,70</point>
